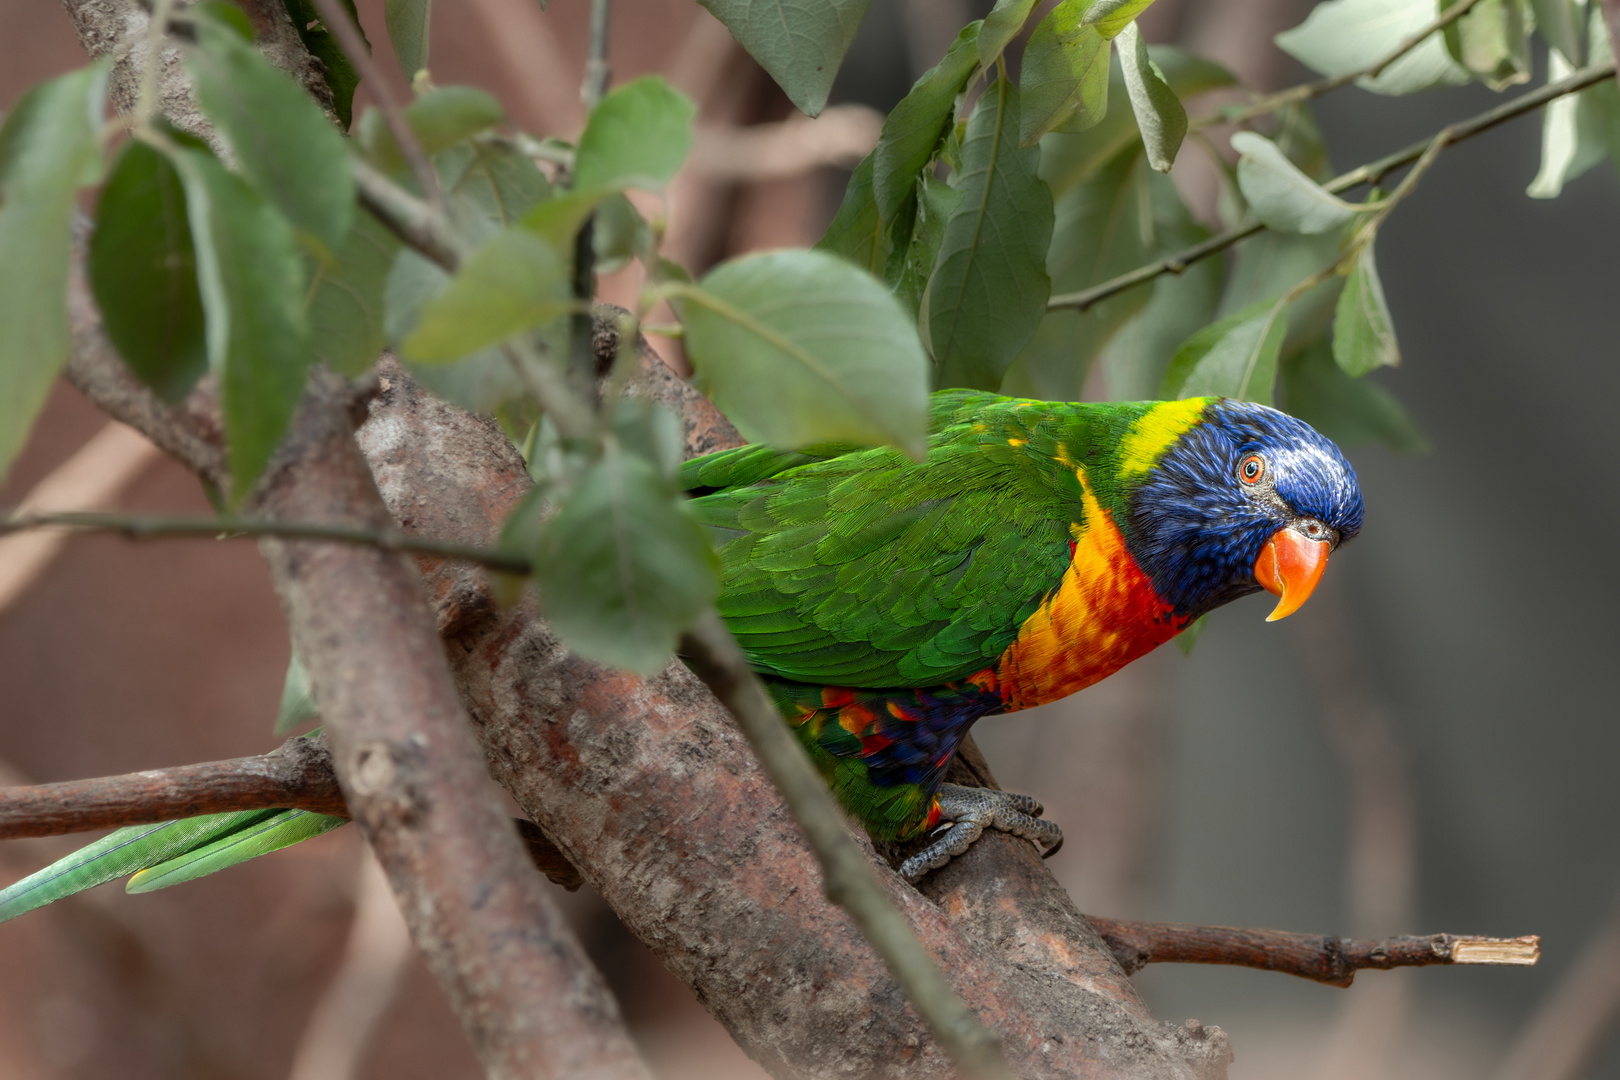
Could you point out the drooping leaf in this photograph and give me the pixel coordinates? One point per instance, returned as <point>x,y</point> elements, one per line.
<point>252,282</point>
<point>116,855</point>
<point>282,828</point>
<point>1342,36</point>
<point>297,699</point>
<point>1492,41</point>
<point>1236,357</point>
<point>48,149</point>
<point>857,231</point>
<point>1064,81</point>
<point>1560,23</point>
<point>1349,411</point>
<point>1281,195</point>
<point>1111,17</point>
<point>514,282</point>
<point>143,272</point>
<point>1104,227</point>
<point>936,202</point>
<point>801,45</point>
<point>407,22</point>
<point>989,288</point>
<point>622,567</point>
<point>800,348</point>
<point>347,298</point>
<point>913,131</point>
<point>637,137</point>
<point>1363,334</point>
<point>340,75</point>
<point>1577,130</point>
<point>282,143</point>
<point>1003,23</point>
<point>1159,113</point>
<point>439,119</point>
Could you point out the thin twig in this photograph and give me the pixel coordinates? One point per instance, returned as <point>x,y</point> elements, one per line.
<point>595,82</point>
<point>298,776</point>
<point>1331,960</point>
<point>1369,173</point>
<point>140,527</point>
<point>343,27</point>
<point>417,223</point>
<point>714,655</point>
<point>1306,91</point>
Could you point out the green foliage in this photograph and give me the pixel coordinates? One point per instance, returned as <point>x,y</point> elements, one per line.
<point>252,283</point>
<point>622,567</point>
<point>407,22</point>
<point>341,77</point>
<point>515,282</point>
<point>1342,36</point>
<point>347,298</point>
<point>999,27</point>
<point>297,699</point>
<point>1236,357</point>
<point>1111,17</point>
<point>1347,410</point>
<point>143,272</point>
<point>1492,41</point>
<point>1159,114</point>
<point>1065,74</point>
<point>1281,195</point>
<point>48,149</point>
<point>439,119</point>
<point>282,144</point>
<point>913,131</point>
<point>1579,131</point>
<point>1363,333</point>
<point>801,45</point>
<point>989,287</point>
<point>800,348</point>
<point>857,231</point>
<point>637,137</point>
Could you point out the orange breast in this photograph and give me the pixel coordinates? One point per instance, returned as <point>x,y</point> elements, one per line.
<point>1104,615</point>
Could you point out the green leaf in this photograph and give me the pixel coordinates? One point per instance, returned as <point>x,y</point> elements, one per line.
<point>479,383</point>
<point>297,699</point>
<point>1272,263</point>
<point>1103,227</point>
<point>857,231</point>
<point>283,828</point>
<point>618,234</point>
<point>913,131</point>
<point>1560,23</point>
<point>340,75</point>
<point>1236,357</point>
<point>622,567</point>
<point>346,300</point>
<point>143,272</point>
<point>514,282</point>
<point>48,148</point>
<point>558,220</point>
<point>407,22</point>
<point>1003,23</point>
<point>1190,635</point>
<point>115,855</point>
<point>1349,411</point>
<point>1343,36</point>
<point>1111,17</point>
<point>989,287</point>
<point>1492,41</point>
<point>501,182</point>
<point>1577,130</point>
<point>1064,80</point>
<point>937,202</point>
<point>253,287</point>
<point>1363,334</point>
<point>799,348</point>
<point>801,45</point>
<point>1282,196</point>
<point>282,143</point>
<point>1159,114</point>
<point>637,137</point>
<point>439,119</point>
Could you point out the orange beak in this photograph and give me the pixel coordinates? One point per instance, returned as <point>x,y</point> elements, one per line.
<point>1289,567</point>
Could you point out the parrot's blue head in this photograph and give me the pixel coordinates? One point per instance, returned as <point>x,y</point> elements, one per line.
<point>1245,499</point>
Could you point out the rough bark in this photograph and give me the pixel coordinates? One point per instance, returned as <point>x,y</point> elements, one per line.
<point>649,790</point>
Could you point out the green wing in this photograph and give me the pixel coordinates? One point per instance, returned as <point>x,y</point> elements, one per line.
<point>864,568</point>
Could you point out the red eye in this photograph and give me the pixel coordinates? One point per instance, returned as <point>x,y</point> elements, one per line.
<point>1252,469</point>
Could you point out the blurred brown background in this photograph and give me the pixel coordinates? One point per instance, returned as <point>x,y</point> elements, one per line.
<point>1429,745</point>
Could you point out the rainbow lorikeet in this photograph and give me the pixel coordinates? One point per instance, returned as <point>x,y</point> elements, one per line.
<point>1038,548</point>
<point>890,603</point>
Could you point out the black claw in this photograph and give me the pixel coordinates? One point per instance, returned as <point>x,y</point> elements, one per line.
<point>1053,850</point>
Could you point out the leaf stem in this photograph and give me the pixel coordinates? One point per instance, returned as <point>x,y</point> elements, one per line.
<point>1306,91</point>
<point>415,222</point>
<point>343,27</point>
<point>1365,174</point>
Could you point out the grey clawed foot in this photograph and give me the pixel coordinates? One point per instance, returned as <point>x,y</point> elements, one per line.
<point>969,812</point>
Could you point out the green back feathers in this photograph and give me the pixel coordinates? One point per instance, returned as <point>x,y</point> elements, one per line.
<point>861,567</point>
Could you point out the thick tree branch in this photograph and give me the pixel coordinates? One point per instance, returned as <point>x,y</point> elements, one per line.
<point>1332,960</point>
<point>1369,173</point>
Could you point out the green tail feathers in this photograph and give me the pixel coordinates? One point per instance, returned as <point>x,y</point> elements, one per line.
<point>165,854</point>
